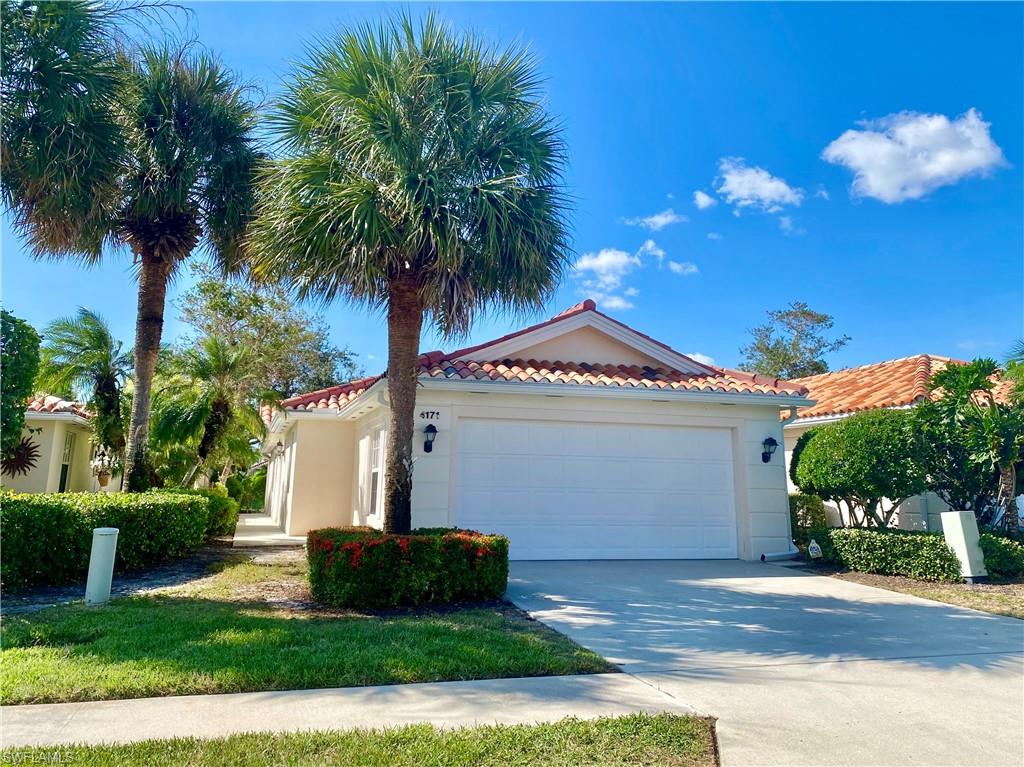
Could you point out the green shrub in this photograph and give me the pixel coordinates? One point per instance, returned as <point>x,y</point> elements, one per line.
<point>363,568</point>
<point>47,537</point>
<point>19,359</point>
<point>248,489</point>
<point>925,556</point>
<point>222,515</point>
<point>1004,558</point>
<point>806,512</point>
<point>862,460</point>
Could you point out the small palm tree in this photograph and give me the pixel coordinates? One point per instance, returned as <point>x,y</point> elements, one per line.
<point>993,433</point>
<point>202,401</point>
<point>421,176</point>
<point>79,354</point>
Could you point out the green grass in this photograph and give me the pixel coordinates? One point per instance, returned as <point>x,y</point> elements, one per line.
<point>663,740</point>
<point>217,636</point>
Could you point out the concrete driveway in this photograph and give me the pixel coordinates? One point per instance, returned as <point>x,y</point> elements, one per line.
<point>799,669</point>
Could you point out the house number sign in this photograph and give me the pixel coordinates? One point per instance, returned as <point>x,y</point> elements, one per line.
<point>440,417</point>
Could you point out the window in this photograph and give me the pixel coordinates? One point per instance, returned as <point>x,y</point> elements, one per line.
<point>65,461</point>
<point>376,470</point>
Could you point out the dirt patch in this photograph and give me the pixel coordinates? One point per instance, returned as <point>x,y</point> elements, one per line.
<point>1003,598</point>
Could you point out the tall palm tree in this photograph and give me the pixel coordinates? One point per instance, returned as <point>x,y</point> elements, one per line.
<point>202,400</point>
<point>190,162</point>
<point>80,354</point>
<point>61,143</point>
<point>420,176</point>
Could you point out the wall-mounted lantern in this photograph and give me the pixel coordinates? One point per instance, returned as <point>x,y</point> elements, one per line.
<point>769,447</point>
<point>278,449</point>
<point>429,435</point>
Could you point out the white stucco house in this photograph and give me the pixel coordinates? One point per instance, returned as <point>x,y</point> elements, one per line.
<point>899,383</point>
<point>578,438</point>
<point>61,432</point>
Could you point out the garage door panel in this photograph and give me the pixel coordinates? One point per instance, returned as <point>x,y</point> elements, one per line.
<point>590,491</point>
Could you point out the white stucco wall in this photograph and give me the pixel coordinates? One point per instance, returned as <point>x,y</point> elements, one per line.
<point>49,434</point>
<point>760,489</point>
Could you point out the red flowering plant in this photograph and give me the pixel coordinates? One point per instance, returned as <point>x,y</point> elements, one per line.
<point>366,569</point>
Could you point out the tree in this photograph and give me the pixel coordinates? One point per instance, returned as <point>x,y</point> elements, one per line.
<point>951,469</point>
<point>202,401</point>
<point>19,362</point>
<point>420,176</point>
<point>61,145</point>
<point>792,344</point>
<point>290,351</point>
<point>863,461</point>
<point>81,356</point>
<point>191,159</point>
<point>992,432</point>
<point>152,150</point>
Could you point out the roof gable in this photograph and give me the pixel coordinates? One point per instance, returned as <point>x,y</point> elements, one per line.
<point>554,352</point>
<point>599,334</point>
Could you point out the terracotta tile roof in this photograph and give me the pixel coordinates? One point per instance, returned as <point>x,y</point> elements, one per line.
<point>893,383</point>
<point>460,365</point>
<point>595,374</point>
<point>47,403</point>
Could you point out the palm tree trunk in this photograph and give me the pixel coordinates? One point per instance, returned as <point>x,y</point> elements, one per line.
<point>1008,496</point>
<point>405,319</point>
<point>149,323</point>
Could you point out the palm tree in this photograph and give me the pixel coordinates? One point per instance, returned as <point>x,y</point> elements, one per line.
<point>190,166</point>
<point>81,355</point>
<point>152,150</point>
<point>993,433</point>
<point>202,401</point>
<point>61,144</point>
<point>420,176</point>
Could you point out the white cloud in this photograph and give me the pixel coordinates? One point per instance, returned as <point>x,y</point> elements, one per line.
<point>822,192</point>
<point>684,268</point>
<point>907,155</point>
<point>610,301</point>
<point>605,269</point>
<point>745,186</point>
<point>657,221</point>
<point>714,236</point>
<point>631,292</point>
<point>703,359</point>
<point>703,200</point>
<point>788,227</point>
<point>650,248</point>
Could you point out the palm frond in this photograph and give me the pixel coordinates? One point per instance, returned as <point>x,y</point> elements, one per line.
<point>408,147</point>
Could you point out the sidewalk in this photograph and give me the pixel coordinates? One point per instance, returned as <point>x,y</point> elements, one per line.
<point>444,704</point>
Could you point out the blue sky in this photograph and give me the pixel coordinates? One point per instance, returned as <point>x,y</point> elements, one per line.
<point>866,159</point>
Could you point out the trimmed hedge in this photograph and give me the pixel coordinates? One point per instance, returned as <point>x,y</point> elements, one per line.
<point>222,516</point>
<point>47,537</point>
<point>1004,557</point>
<point>366,569</point>
<point>806,512</point>
<point>922,555</point>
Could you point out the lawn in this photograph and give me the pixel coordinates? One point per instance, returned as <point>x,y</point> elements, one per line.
<point>250,627</point>
<point>664,740</point>
<point>1006,598</point>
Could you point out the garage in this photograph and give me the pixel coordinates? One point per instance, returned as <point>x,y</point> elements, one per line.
<point>593,490</point>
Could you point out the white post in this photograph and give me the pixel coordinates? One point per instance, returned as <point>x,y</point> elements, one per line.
<point>960,529</point>
<point>101,565</point>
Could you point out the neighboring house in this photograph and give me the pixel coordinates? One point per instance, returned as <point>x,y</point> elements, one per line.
<point>899,383</point>
<point>62,433</point>
<point>578,438</point>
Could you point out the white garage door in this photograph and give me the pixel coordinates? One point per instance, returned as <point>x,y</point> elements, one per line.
<point>563,490</point>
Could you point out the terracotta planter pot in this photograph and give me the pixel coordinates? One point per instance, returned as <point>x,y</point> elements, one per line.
<point>103,478</point>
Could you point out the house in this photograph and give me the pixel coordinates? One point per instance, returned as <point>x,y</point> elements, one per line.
<point>578,438</point>
<point>61,433</point>
<point>899,383</point>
